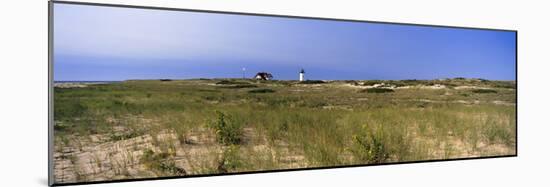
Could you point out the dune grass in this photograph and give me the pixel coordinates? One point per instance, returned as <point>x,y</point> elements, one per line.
<point>259,125</point>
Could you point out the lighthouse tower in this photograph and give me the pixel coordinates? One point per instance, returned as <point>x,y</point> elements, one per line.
<point>302,72</point>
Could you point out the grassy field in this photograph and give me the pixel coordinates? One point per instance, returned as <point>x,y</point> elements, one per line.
<point>153,128</point>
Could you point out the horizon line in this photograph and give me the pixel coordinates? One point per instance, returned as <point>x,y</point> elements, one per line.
<point>215,78</point>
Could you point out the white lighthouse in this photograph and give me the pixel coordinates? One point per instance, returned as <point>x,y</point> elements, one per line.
<point>302,72</point>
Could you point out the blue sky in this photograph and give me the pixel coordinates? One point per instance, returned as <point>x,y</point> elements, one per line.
<point>93,43</point>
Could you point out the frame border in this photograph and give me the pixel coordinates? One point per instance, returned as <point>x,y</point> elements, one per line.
<point>51,3</point>
<point>51,171</point>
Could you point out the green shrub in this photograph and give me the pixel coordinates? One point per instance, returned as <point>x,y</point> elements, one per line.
<point>60,126</point>
<point>125,135</point>
<point>503,84</point>
<point>230,159</point>
<point>159,162</point>
<point>171,168</point>
<point>262,90</point>
<point>510,86</point>
<point>203,90</point>
<point>225,82</point>
<point>150,156</point>
<point>369,146</point>
<point>68,109</point>
<point>484,91</point>
<point>312,82</point>
<point>228,131</point>
<point>314,104</point>
<point>237,86</point>
<point>399,84</point>
<point>371,82</point>
<point>377,90</point>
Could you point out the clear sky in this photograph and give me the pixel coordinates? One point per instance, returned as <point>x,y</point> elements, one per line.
<point>93,43</point>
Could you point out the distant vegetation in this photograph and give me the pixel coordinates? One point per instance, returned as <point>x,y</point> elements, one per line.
<point>377,90</point>
<point>263,90</point>
<point>222,82</point>
<point>312,82</point>
<point>484,91</point>
<point>237,86</point>
<point>449,83</point>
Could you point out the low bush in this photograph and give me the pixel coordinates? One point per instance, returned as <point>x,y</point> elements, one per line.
<point>482,91</point>
<point>60,126</point>
<point>228,131</point>
<point>237,86</point>
<point>508,86</point>
<point>67,109</point>
<point>263,90</point>
<point>159,162</point>
<point>377,90</point>
<point>352,82</point>
<point>225,82</point>
<point>124,136</point>
<point>369,146</point>
<point>313,82</point>
<point>230,159</point>
<point>150,156</point>
<point>371,82</point>
<point>203,90</point>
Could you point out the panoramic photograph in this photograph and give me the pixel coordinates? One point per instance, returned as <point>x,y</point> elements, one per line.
<point>146,93</point>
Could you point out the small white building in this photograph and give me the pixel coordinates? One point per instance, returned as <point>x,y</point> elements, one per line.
<point>302,75</point>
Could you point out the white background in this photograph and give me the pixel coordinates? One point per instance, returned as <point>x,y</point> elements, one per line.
<point>23,95</point>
